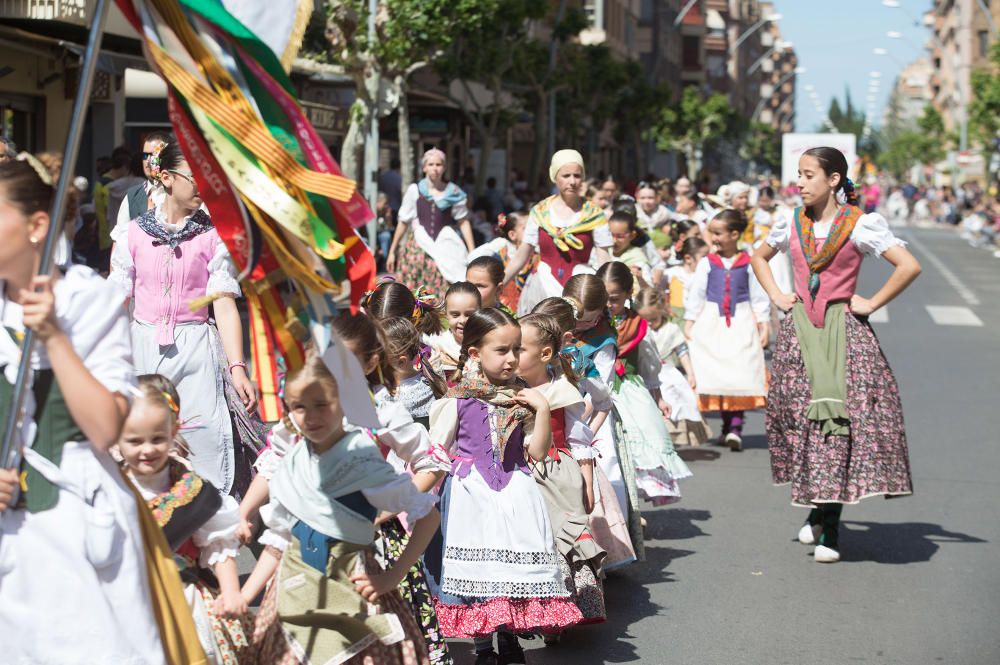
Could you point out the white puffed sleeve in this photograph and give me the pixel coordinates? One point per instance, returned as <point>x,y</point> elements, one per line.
<point>598,392</point>
<point>872,235</point>
<point>531,233</point>
<point>760,303</point>
<point>604,362</point>
<point>408,440</point>
<point>408,208</point>
<point>602,236</point>
<point>695,290</point>
<point>217,539</point>
<point>444,423</point>
<point>119,233</point>
<point>780,234</point>
<point>579,437</point>
<point>280,441</point>
<point>460,210</point>
<point>222,272</point>
<point>279,523</point>
<point>401,496</point>
<point>122,267</point>
<point>649,363</point>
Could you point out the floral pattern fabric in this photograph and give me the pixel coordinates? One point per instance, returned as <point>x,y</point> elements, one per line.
<point>873,460</point>
<point>416,268</point>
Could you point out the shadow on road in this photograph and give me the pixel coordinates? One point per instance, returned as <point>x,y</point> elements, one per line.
<point>674,523</point>
<point>698,454</point>
<point>906,542</point>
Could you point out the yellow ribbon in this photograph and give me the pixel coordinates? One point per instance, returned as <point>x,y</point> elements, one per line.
<point>565,238</point>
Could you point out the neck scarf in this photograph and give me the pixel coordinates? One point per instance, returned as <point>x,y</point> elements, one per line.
<point>631,331</point>
<point>508,413</point>
<point>565,239</point>
<point>840,232</point>
<point>195,225</point>
<point>452,194</point>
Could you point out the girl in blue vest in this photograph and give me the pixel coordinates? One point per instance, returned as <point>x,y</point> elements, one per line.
<point>727,314</point>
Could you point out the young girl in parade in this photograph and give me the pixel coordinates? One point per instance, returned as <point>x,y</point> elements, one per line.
<point>433,238</point>
<point>486,274</point>
<point>651,213</point>
<point>500,568</point>
<point>834,419</point>
<point>726,316</point>
<point>460,302</point>
<point>677,389</point>
<point>607,521</point>
<point>74,584</point>
<point>391,298</point>
<point>566,475</point>
<point>629,241</point>
<point>595,343</point>
<point>690,253</point>
<point>639,406</point>
<point>419,385</point>
<point>329,600</point>
<point>172,256</point>
<point>510,236</point>
<point>200,525</point>
<point>564,230</point>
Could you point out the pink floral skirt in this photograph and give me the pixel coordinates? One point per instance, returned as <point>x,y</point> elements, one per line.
<point>873,460</point>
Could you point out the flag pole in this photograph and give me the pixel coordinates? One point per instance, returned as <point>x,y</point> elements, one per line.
<point>10,452</point>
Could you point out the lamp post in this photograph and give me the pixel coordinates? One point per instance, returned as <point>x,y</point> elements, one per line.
<point>683,12</point>
<point>779,46</point>
<point>773,18</point>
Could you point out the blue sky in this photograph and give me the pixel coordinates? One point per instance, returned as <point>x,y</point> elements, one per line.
<point>835,41</point>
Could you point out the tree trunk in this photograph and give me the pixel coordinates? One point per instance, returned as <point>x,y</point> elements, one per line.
<point>538,156</point>
<point>350,152</point>
<point>488,140</point>
<point>403,127</point>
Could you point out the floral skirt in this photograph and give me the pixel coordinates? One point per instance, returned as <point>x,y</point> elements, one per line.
<point>225,641</point>
<point>416,268</point>
<point>390,542</point>
<point>873,460</point>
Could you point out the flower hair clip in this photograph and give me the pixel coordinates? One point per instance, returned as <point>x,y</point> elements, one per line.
<point>423,301</point>
<point>171,403</point>
<point>36,165</point>
<point>367,297</point>
<point>155,162</point>
<point>573,307</point>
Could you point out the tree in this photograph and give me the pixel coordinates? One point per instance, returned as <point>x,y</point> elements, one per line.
<point>409,34</point>
<point>761,146</point>
<point>984,111</point>
<point>692,124</point>
<point>925,144</point>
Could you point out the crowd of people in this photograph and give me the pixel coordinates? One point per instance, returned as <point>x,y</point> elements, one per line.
<point>531,392</point>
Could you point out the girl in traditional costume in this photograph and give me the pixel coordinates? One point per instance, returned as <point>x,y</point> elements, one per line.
<point>565,230</point>
<point>727,314</point>
<point>510,237</point>
<point>686,423</point>
<point>173,258</point>
<point>419,385</point>
<point>607,522</point>
<point>392,298</point>
<point>834,418</point>
<point>628,243</point>
<point>635,389</point>
<point>500,569</point>
<point>651,213</point>
<point>690,253</point>
<point>74,584</point>
<point>200,525</point>
<point>566,475</point>
<point>329,600</point>
<point>486,273</point>
<point>461,301</point>
<point>434,235</point>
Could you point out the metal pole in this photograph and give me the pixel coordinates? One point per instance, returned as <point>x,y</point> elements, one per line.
<point>371,142</point>
<point>683,12</point>
<point>10,452</point>
<point>742,38</point>
<point>989,17</point>
<point>760,60</point>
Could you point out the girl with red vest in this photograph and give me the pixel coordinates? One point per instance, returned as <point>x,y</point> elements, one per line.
<point>566,476</point>
<point>726,314</point>
<point>834,419</point>
<point>564,229</point>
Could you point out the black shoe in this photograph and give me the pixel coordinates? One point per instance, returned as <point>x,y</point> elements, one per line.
<point>486,657</point>
<point>509,648</point>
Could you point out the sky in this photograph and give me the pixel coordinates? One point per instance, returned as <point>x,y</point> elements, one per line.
<point>835,42</point>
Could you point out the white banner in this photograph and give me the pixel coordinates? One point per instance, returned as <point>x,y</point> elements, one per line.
<point>793,145</point>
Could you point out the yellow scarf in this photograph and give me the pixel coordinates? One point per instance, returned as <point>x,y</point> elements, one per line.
<point>565,239</point>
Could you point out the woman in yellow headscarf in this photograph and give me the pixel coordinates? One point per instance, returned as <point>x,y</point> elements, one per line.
<point>565,230</point>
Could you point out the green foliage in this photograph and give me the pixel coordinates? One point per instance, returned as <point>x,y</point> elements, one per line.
<point>693,122</point>
<point>984,111</point>
<point>925,144</point>
<point>762,144</point>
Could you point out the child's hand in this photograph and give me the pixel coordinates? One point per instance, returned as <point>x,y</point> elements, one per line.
<point>785,301</point>
<point>532,399</point>
<point>245,388</point>
<point>39,304</point>
<point>383,517</point>
<point>861,306</point>
<point>664,407</point>
<point>373,587</point>
<point>765,334</point>
<point>8,485</point>
<point>588,499</point>
<point>245,531</point>
<point>230,605</point>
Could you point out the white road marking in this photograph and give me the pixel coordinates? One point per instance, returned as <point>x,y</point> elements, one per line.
<point>953,316</point>
<point>879,316</point>
<point>960,288</point>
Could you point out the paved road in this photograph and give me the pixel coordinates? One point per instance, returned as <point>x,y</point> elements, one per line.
<point>725,582</point>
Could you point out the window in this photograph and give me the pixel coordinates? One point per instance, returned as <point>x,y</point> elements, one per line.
<point>984,43</point>
<point>691,52</point>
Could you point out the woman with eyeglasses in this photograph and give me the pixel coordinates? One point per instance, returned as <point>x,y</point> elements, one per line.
<point>171,256</point>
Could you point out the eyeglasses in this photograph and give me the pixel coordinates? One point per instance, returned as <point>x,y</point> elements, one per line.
<point>187,176</point>
<point>146,155</point>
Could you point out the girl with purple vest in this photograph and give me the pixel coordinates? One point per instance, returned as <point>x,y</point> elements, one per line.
<point>500,569</point>
<point>834,417</point>
<point>727,313</point>
<point>172,255</point>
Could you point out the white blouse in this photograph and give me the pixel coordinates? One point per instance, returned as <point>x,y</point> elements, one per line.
<point>602,234</point>
<point>648,368</point>
<point>407,441</point>
<point>408,208</point>
<point>216,539</point>
<point>695,291</point>
<point>222,274</point>
<point>399,495</point>
<point>871,234</point>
